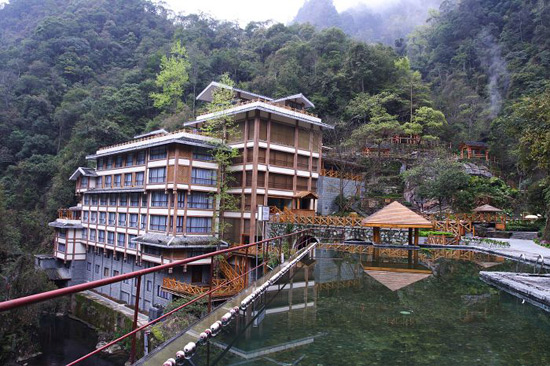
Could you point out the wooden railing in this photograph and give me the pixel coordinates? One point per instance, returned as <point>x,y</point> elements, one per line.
<point>341,175</point>
<point>66,214</point>
<point>289,217</point>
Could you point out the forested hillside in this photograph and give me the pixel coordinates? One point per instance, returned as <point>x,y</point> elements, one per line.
<point>488,63</point>
<point>76,75</point>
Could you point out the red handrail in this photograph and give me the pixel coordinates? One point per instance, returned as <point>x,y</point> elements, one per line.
<point>48,295</point>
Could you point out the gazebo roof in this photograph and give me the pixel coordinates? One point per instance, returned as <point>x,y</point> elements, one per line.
<point>398,216</point>
<point>487,208</point>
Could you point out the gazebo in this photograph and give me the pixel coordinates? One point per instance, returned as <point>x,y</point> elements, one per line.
<point>474,149</point>
<point>487,209</point>
<point>395,215</point>
<point>490,214</point>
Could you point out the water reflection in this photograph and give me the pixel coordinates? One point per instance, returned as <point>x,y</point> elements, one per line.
<point>331,311</point>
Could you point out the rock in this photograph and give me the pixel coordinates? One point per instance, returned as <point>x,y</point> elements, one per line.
<point>114,349</point>
<point>475,299</point>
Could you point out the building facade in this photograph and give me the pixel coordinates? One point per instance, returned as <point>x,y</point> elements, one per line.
<point>150,200</point>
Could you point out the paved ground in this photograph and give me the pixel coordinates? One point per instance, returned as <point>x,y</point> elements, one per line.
<point>121,308</point>
<point>518,247</point>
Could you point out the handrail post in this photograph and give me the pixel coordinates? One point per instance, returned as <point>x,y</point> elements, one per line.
<point>210,285</point>
<point>134,326</point>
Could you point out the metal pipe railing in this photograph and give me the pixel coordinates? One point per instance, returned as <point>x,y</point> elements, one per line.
<point>48,295</point>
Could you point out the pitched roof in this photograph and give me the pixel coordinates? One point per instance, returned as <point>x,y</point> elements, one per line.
<point>206,94</point>
<point>475,143</point>
<point>398,216</point>
<point>87,172</point>
<point>487,208</point>
<point>299,97</point>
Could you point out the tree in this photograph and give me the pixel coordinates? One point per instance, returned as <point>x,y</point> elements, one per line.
<point>377,125</point>
<point>172,78</point>
<point>427,122</point>
<point>222,128</point>
<point>440,179</point>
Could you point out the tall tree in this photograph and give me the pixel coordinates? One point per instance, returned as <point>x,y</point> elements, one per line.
<point>172,79</point>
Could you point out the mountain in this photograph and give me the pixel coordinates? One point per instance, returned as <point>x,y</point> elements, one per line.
<point>386,24</point>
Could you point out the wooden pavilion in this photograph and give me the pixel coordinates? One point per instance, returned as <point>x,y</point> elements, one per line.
<point>395,215</point>
<point>490,214</point>
<point>474,149</point>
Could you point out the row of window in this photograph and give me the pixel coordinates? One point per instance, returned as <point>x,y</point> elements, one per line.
<point>157,223</point>
<point>109,237</point>
<point>198,200</point>
<point>138,158</point>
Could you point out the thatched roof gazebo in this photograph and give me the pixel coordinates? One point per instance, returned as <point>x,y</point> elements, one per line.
<point>395,215</point>
<point>487,208</point>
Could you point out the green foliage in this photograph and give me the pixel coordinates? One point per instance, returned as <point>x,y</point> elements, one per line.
<point>439,179</point>
<point>172,78</point>
<point>429,233</point>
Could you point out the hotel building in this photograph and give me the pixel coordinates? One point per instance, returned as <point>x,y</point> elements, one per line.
<point>150,200</point>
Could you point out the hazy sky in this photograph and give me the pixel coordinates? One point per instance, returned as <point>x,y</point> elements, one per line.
<point>245,11</point>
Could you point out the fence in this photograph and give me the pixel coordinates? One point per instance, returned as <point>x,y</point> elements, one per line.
<point>44,296</point>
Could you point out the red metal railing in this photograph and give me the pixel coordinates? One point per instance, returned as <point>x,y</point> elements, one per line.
<point>44,296</point>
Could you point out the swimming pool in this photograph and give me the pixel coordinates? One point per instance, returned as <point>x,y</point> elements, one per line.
<point>351,309</point>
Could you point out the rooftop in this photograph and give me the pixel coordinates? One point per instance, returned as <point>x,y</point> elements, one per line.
<point>398,216</point>
<point>170,241</point>
<point>487,208</point>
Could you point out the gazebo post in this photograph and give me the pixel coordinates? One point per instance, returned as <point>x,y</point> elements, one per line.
<point>416,230</point>
<point>376,235</point>
<point>410,236</point>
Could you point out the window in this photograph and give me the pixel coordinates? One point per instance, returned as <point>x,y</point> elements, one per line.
<point>108,181</point>
<point>202,155</point>
<point>85,216</point>
<point>131,245</point>
<point>139,178</point>
<point>106,272</point>
<point>123,200</point>
<point>133,220</point>
<point>121,219</point>
<point>143,222</point>
<point>117,180</point>
<point>203,176</point>
<point>127,179</point>
<point>102,217</point>
<point>161,293</point>
<point>100,164</point>
<point>103,199</point>
<point>179,224</point>
<point>112,218</point>
<point>157,153</point>
<point>140,159</point>
<point>97,268</point>
<point>129,159</point>
<point>134,199</point>
<point>158,223</point>
<point>157,175</point>
<point>86,199</point>
<point>151,250</point>
<point>93,217</point>
<point>94,200</point>
<point>101,236</point>
<point>62,233</point>
<point>109,162</point>
<point>121,239</point>
<point>88,266</point>
<point>200,200</point>
<point>110,237</point>
<point>112,199</point>
<point>149,285</point>
<point>84,182</point>
<point>181,199</point>
<point>199,224</point>
<point>144,200</point>
<point>99,182</point>
<point>85,234</point>
<point>92,234</point>
<point>159,199</point>
<point>118,161</point>
<point>115,273</point>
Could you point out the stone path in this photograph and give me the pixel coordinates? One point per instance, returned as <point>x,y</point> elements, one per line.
<point>121,308</point>
<point>530,249</point>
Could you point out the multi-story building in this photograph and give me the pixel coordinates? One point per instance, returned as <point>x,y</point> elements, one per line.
<point>150,200</point>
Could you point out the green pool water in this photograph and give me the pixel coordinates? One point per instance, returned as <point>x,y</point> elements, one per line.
<point>331,312</point>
